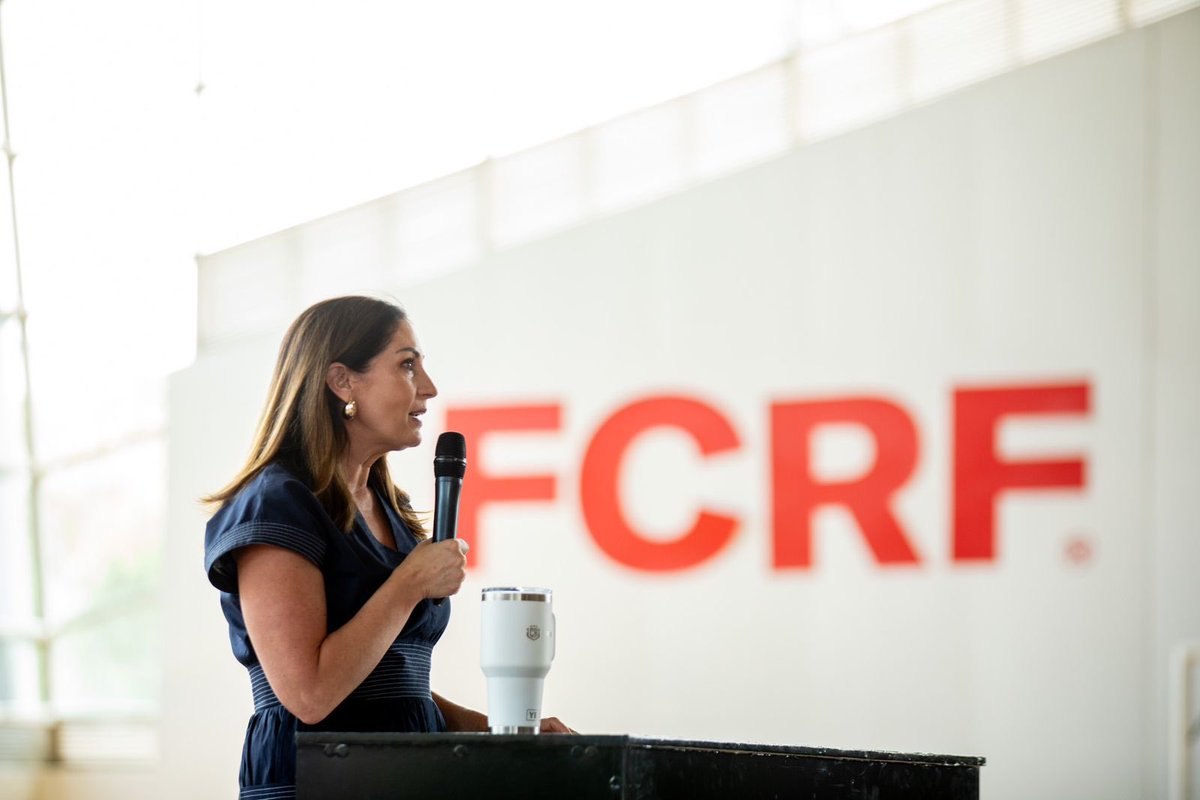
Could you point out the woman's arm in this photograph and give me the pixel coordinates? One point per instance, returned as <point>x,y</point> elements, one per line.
<point>283,602</point>
<point>459,718</point>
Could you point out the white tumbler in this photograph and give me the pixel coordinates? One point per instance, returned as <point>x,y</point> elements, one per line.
<point>516,648</point>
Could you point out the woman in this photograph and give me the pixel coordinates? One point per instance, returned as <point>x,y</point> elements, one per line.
<point>325,573</point>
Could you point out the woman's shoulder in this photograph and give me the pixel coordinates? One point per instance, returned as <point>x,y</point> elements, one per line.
<point>276,476</point>
<point>275,494</point>
<point>274,507</point>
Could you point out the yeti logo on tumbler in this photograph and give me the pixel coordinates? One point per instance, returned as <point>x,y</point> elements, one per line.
<point>516,648</point>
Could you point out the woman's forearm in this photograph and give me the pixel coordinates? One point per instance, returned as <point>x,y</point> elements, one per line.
<point>460,719</point>
<point>348,655</point>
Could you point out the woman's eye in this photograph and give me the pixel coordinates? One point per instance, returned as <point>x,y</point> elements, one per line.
<point>409,365</point>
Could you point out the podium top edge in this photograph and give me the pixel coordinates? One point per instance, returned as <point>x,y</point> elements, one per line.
<point>320,739</point>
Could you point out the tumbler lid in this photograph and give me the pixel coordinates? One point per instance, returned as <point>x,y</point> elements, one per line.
<point>527,593</point>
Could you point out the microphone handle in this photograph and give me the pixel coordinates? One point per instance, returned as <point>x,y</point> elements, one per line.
<point>445,513</point>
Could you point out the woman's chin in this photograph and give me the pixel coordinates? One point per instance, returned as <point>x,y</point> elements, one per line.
<point>412,439</point>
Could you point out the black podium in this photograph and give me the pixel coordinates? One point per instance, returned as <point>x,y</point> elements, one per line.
<point>392,766</point>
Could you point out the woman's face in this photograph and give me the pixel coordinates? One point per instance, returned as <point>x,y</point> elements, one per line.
<point>391,394</point>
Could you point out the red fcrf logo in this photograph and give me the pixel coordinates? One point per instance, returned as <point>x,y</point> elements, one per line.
<point>980,475</point>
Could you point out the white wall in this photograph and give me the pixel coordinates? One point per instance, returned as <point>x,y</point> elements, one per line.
<point>1173,242</point>
<point>1038,228</point>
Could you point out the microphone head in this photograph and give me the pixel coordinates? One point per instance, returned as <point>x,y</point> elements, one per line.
<point>450,458</point>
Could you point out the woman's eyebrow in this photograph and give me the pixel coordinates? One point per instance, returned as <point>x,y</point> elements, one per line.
<point>412,350</point>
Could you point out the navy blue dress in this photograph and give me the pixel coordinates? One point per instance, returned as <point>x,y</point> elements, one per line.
<point>277,508</point>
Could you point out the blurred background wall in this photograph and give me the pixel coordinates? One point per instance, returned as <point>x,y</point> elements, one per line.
<point>919,246</point>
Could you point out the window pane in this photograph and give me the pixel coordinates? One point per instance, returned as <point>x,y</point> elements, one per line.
<point>8,271</point>
<point>18,679</point>
<point>81,407</point>
<point>102,523</point>
<point>12,393</point>
<point>16,575</point>
<point>110,666</point>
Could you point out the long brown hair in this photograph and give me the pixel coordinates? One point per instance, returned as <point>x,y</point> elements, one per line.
<point>302,426</point>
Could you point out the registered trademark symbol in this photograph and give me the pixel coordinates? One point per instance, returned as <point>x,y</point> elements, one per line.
<point>1079,550</point>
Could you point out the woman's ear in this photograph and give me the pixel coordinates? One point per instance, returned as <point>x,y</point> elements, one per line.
<point>337,378</point>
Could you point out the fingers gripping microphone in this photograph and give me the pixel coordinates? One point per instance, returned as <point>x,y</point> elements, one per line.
<point>449,466</point>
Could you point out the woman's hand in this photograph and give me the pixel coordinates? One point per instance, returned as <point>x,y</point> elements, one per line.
<point>459,718</point>
<point>553,725</point>
<point>436,569</point>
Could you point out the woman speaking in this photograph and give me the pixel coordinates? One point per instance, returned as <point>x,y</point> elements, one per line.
<point>325,573</point>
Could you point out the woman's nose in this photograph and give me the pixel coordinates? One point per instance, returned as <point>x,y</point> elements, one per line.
<point>428,388</point>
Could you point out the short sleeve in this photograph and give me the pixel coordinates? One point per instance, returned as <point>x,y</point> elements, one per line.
<point>274,509</point>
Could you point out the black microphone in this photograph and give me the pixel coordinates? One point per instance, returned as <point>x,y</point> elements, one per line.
<point>449,466</point>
